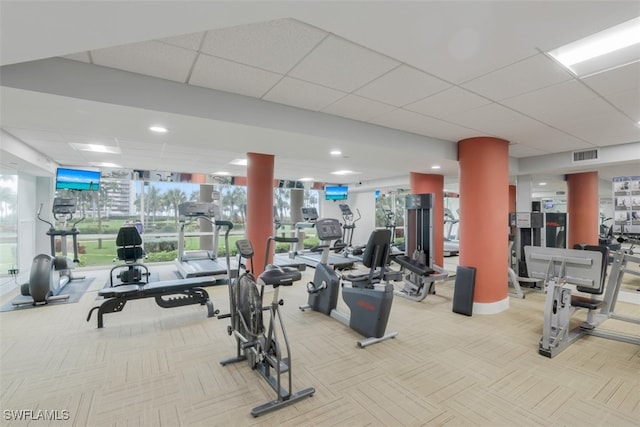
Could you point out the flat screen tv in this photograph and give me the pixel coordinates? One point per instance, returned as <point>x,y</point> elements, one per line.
<point>77,179</point>
<point>336,192</point>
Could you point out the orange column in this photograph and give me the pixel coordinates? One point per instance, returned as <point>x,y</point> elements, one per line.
<point>583,205</point>
<point>259,205</point>
<point>484,206</point>
<point>421,183</point>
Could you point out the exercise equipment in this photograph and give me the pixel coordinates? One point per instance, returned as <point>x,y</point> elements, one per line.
<point>129,250</point>
<point>51,273</point>
<point>586,269</point>
<point>368,299</point>
<point>345,245</point>
<point>419,271</point>
<point>451,246</point>
<point>545,229</point>
<point>257,343</point>
<point>312,257</point>
<point>200,263</point>
<point>168,293</point>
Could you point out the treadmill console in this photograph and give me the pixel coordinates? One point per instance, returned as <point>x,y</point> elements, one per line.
<point>328,229</point>
<point>198,209</point>
<point>345,210</point>
<point>64,206</point>
<point>309,214</point>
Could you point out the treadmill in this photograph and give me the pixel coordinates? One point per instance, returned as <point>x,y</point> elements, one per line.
<point>283,260</point>
<point>200,263</point>
<point>451,247</point>
<point>312,257</point>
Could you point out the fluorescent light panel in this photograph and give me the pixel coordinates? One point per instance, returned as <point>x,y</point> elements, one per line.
<point>95,148</point>
<point>239,162</point>
<point>344,172</point>
<point>104,165</point>
<point>607,49</point>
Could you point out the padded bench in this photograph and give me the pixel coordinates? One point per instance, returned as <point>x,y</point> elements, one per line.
<point>168,294</point>
<point>414,266</point>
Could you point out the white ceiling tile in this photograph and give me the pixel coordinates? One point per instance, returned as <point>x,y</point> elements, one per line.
<point>152,58</point>
<point>220,74</point>
<point>187,41</point>
<point>358,108</point>
<point>621,86</point>
<point>496,120</point>
<point>447,102</point>
<point>342,65</point>
<point>422,125</point>
<point>522,150</point>
<point>617,80</point>
<point>556,103</point>
<point>275,45</point>
<point>604,128</point>
<point>33,134</point>
<point>524,76</point>
<point>302,94</point>
<point>402,86</point>
<point>80,56</point>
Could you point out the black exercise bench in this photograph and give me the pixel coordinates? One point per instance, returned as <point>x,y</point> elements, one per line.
<point>421,279</point>
<point>414,266</point>
<point>168,294</point>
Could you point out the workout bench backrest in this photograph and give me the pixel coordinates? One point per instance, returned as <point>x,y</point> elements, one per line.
<point>377,249</point>
<point>129,244</point>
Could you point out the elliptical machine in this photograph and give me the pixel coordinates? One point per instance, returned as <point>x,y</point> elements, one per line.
<point>255,342</point>
<point>50,273</point>
<point>345,244</point>
<point>368,299</point>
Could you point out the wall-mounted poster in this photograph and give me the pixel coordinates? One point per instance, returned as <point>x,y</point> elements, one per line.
<point>626,204</point>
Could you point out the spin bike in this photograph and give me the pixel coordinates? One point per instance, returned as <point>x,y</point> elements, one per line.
<point>50,273</point>
<point>257,343</point>
<point>368,299</point>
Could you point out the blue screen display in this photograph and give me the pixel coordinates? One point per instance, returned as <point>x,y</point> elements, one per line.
<point>336,192</point>
<point>77,179</point>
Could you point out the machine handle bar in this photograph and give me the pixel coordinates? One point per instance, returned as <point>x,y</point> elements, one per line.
<point>623,239</point>
<point>44,220</point>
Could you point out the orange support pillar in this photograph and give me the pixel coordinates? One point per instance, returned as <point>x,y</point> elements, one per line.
<point>484,208</point>
<point>259,205</point>
<point>421,183</point>
<point>583,204</point>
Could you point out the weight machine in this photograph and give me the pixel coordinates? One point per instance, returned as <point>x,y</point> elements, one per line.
<point>586,270</point>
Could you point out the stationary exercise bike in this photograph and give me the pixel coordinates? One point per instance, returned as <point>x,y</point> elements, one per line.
<point>256,342</point>
<point>368,296</point>
<point>50,273</point>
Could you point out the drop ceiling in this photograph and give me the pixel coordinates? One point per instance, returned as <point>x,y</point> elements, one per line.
<point>393,85</point>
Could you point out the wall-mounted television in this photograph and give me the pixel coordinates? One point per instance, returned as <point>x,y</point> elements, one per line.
<point>336,192</point>
<point>77,179</point>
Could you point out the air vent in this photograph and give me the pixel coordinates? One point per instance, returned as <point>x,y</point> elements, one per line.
<point>560,193</point>
<point>585,155</point>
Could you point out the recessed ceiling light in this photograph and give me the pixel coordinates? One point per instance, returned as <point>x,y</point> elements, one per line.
<point>158,129</point>
<point>344,172</point>
<point>239,162</point>
<point>104,165</point>
<point>607,49</point>
<point>305,179</point>
<point>335,152</point>
<point>95,148</point>
<point>435,167</point>
<point>542,183</point>
<point>221,173</point>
